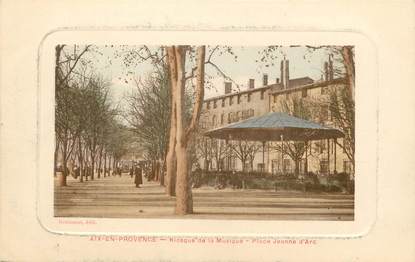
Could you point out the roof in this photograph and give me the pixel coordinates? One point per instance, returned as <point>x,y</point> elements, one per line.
<point>293,83</point>
<point>316,84</point>
<point>271,126</point>
<point>300,82</point>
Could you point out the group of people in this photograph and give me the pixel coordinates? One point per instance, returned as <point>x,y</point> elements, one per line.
<point>135,170</point>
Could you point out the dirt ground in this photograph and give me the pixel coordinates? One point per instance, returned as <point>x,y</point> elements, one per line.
<point>117,197</point>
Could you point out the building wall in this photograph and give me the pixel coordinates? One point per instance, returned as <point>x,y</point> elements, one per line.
<point>253,103</point>
<point>270,101</point>
<point>319,150</point>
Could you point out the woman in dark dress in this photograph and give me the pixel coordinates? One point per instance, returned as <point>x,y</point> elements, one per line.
<point>138,180</point>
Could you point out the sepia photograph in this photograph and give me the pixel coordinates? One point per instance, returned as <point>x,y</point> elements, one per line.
<point>204,132</point>
<point>207,131</point>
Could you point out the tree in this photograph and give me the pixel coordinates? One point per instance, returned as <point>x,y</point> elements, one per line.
<point>96,109</point>
<point>67,61</point>
<point>297,107</point>
<point>176,61</point>
<point>182,126</point>
<point>64,127</point>
<point>245,151</point>
<point>219,152</point>
<point>149,115</point>
<point>341,105</point>
<point>83,112</point>
<point>204,148</point>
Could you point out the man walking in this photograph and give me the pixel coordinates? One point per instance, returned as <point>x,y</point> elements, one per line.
<point>138,180</point>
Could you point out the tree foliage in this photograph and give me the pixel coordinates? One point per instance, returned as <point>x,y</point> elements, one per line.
<point>85,120</point>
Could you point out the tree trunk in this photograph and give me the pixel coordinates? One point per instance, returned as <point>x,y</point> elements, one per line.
<point>55,159</point>
<point>86,163</point>
<point>92,165</point>
<point>114,165</point>
<point>109,165</point>
<point>99,162</point>
<point>64,173</point>
<point>176,59</point>
<point>177,66</point>
<point>347,53</point>
<point>162,175</point>
<point>297,167</point>
<point>183,192</point>
<point>171,153</point>
<point>105,163</point>
<point>80,160</point>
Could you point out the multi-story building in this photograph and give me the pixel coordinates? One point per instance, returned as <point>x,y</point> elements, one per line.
<point>323,156</point>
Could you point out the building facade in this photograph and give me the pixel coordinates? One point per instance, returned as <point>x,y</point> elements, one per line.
<point>322,157</point>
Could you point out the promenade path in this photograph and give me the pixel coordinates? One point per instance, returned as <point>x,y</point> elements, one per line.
<point>117,197</point>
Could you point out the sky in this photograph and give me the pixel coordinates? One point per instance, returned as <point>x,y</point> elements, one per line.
<point>108,60</point>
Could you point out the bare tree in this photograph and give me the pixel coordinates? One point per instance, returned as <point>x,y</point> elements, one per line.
<point>64,127</point>
<point>245,151</point>
<point>297,107</point>
<point>219,152</point>
<point>341,105</point>
<point>149,116</point>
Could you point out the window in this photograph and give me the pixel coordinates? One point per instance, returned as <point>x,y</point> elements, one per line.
<point>213,120</point>
<point>287,166</point>
<point>223,102</point>
<point>276,166</point>
<point>247,167</point>
<point>324,90</point>
<point>229,117</point>
<point>304,93</point>
<point>249,97</point>
<point>221,118</point>
<point>261,167</point>
<point>230,100</point>
<point>321,146</point>
<point>244,114</point>
<point>275,98</point>
<point>347,166</point>
<point>237,116</point>
<point>251,112</point>
<point>214,104</point>
<point>262,95</point>
<point>233,163</point>
<point>324,166</point>
<point>238,100</point>
<point>208,104</point>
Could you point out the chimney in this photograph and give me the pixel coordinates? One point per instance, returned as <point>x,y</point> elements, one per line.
<point>228,87</point>
<point>326,71</point>
<point>331,71</point>
<point>265,80</point>
<point>251,84</point>
<point>285,73</point>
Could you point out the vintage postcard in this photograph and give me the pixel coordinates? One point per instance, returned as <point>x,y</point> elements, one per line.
<point>202,134</point>
<point>221,131</point>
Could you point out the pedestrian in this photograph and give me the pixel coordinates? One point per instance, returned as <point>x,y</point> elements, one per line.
<point>138,180</point>
<point>131,171</point>
<point>77,171</point>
